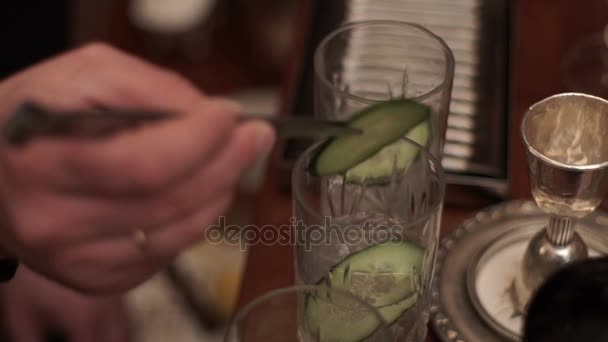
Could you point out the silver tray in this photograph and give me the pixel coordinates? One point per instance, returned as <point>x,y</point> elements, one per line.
<point>457,313</point>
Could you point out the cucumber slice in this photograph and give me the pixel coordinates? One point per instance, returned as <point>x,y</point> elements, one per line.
<point>380,274</point>
<point>333,322</point>
<point>378,289</point>
<point>398,155</point>
<point>382,124</point>
<point>393,312</point>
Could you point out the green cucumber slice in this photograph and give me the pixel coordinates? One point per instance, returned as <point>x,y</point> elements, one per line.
<point>380,274</point>
<point>393,312</point>
<point>382,124</point>
<point>332,322</point>
<point>398,155</point>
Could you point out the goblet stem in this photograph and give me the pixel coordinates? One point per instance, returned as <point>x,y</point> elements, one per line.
<point>560,231</point>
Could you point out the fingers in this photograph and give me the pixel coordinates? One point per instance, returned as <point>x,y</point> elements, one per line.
<point>55,222</point>
<point>56,226</point>
<point>103,319</point>
<point>90,318</point>
<point>149,157</point>
<point>155,158</point>
<point>167,242</point>
<point>84,330</point>
<point>215,179</point>
<point>251,141</point>
<point>145,160</point>
<point>97,74</point>
<point>125,262</point>
<point>64,195</point>
<point>116,279</point>
<point>161,243</point>
<point>115,326</point>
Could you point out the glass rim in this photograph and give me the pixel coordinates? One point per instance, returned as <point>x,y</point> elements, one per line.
<point>298,167</point>
<point>450,61</point>
<point>534,151</point>
<point>295,289</point>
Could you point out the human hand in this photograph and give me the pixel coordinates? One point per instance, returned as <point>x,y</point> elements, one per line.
<point>33,307</point>
<point>74,210</point>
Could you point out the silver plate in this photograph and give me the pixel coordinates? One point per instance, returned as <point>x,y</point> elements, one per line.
<point>455,317</point>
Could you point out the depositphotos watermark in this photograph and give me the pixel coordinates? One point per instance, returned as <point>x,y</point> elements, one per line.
<point>301,234</point>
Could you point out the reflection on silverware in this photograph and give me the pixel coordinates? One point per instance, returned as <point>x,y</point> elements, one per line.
<point>567,153</point>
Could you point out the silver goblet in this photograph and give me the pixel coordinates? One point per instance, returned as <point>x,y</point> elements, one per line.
<point>566,138</point>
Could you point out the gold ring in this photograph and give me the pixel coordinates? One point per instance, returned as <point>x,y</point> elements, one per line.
<point>140,238</point>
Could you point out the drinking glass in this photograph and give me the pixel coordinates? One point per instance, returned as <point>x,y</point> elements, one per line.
<point>377,239</point>
<point>307,314</point>
<point>367,62</point>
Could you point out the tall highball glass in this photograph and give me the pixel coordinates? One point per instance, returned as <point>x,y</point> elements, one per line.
<point>378,239</point>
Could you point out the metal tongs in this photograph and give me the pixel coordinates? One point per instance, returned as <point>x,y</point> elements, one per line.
<point>31,120</point>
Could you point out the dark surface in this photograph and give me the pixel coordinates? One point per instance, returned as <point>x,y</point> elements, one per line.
<point>493,88</point>
<point>31,31</point>
<point>8,268</point>
<point>571,306</point>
